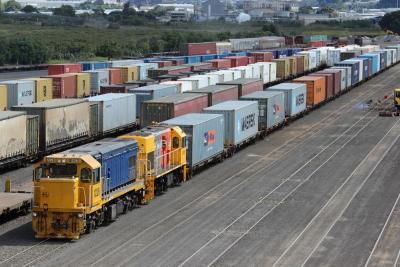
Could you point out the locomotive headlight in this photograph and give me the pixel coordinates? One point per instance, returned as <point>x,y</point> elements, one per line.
<point>80,215</point>
<point>34,214</point>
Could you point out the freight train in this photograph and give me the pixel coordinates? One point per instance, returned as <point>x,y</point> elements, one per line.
<point>79,189</point>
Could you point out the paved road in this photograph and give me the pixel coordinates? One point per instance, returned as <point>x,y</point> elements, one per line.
<point>321,192</point>
<point>22,74</point>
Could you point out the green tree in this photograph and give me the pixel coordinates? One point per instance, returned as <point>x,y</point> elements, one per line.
<point>4,52</point>
<point>108,49</point>
<point>27,51</point>
<point>64,10</point>
<point>12,5</point>
<point>29,9</point>
<point>391,22</point>
<point>270,27</point>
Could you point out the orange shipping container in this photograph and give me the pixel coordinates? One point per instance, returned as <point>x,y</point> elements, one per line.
<point>316,92</point>
<point>115,76</point>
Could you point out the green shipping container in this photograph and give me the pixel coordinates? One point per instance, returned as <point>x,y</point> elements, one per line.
<point>315,38</point>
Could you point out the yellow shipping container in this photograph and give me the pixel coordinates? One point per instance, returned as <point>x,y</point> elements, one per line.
<point>82,84</point>
<point>130,73</point>
<point>282,68</point>
<point>43,88</point>
<point>292,65</point>
<point>3,97</point>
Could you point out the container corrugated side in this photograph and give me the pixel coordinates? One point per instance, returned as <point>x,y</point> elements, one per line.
<point>204,133</point>
<point>347,73</point>
<point>20,92</point>
<point>241,120</point>
<point>32,135</point>
<point>295,97</point>
<point>3,97</point>
<point>13,134</point>
<point>43,88</point>
<point>83,84</point>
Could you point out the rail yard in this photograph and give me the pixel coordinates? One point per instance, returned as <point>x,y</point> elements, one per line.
<point>322,191</point>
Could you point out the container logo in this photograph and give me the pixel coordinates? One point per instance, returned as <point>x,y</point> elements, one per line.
<point>209,137</point>
<point>276,108</point>
<point>299,99</point>
<point>26,93</point>
<point>248,122</point>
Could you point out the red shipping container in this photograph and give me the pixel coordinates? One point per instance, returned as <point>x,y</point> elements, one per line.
<point>64,85</point>
<point>328,83</point>
<point>177,62</point>
<point>317,43</point>
<point>289,40</point>
<point>218,93</point>
<point>251,60</point>
<point>246,86</point>
<point>200,66</point>
<point>193,49</point>
<point>262,56</point>
<point>115,76</point>
<point>220,63</point>
<point>299,39</point>
<point>55,69</point>
<point>337,77</point>
<point>162,64</point>
<point>237,61</point>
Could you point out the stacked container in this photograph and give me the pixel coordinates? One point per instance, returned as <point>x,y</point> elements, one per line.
<point>246,86</point>
<point>316,92</point>
<point>116,111</point>
<point>98,78</point>
<point>154,73</point>
<point>271,108</point>
<point>267,71</point>
<point>292,66</point>
<point>262,56</point>
<point>94,65</point>
<point>355,66</point>
<point>295,97</point>
<point>246,71</point>
<point>221,63</point>
<point>241,120</point>
<point>282,68</point>
<point>204,133</point>
<point>56,69</point>
<point>237,61</point>
<point>17,93</point>
<point>374,62</point>
<point>346,71</point>
<point>328,78</point>
<point>332,56</point>
<point>83,82</point>
<point>194,82</point>
<point>64,85</point>
<point>218,93</point>
<point>115,76</point>
<point>129,73</point>
<point>171,106</point>
<point>43,88</point>
<point>336,79</point>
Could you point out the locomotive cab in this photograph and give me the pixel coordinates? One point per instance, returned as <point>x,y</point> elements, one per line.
<point>66,188</point>
<point>397,99</point>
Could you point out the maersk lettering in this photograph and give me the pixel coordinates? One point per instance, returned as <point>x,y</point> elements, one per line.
<point>248,122</point>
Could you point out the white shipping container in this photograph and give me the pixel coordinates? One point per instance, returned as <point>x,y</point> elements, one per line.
<point>246,71</point>
<point>332,57</point>
<point>312,59</point>
<point>224,47</point>
<point>218,76</point>
<point>226,75</point>
<point>98,78</point>
<point>198,81</point>
<point>212,79</point>
<point>20,92</point>
<point>178,85</point>
<point>124,63</point>
<point>13,134</point>
<point>264,71</point>
<point>256,70</point>
<point>272,71</point>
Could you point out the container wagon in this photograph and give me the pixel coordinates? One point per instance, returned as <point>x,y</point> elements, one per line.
<point>295,98</point>
<point>218,93</point>
<point>316,92</point>
<point>246,86</point>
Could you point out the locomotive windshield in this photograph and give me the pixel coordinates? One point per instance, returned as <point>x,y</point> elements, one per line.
<point>56,171</point>
<point>397,93</point>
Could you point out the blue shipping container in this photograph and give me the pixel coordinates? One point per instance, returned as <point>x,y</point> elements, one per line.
<point>355,65</point>
<point>238,54</point>
<point>208,57</point>
<point>295,97</point>
<point>151,59</point>
<point>192,59</point>
<point>219,56</point>
<point>366,66</point>
<point>94,65</point>
<point>383,57</point>
<point>374,63</point>
<point>117,158</point>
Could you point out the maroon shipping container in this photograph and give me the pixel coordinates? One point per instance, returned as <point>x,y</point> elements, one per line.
<point>154,73</point>
<point>221,63</point>
<point>328,82</point>
<point>251,60</point>
<point>337,77</point>
<point>299,39</point>
<point>162,64</point>
<point>55,69</point>
<point>116,88</point>
<point>199,66</point>
<point>299,64</point>
<point>238,61</point>
<point>64,85</point>
<point>193,49</point>
<point>317,43</point>
<point>218,93</point>
<point>262,56</point>
<point>115,76</point>
<point>177,62</point>
<point>246,86</point>
<point>289,40</point>
<point>168,107</point>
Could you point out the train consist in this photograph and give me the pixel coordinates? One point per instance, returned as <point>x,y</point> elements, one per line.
<point>84,187</point>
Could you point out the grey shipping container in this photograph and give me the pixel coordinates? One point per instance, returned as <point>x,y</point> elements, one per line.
<point>271,108</point>
<point>13,134</point>
<point>171,106</point>
<point>61,121</point>
<point>246,86</point>
<point>241,120</point>
<point>116,111</point>
<point>20,92</point>
<point>98,78</point>
<point>94,118</point>
<point>295,97</point>
<point>204,133</point>
<point>218,93</point>
<point>150,92</point>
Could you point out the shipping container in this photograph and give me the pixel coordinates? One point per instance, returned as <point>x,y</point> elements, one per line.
<point>262,56</point>
<point>343,77</point>
<point>83,84</point>
<point>222,76</point>
<point>311,59</point>
<point>124,63</point>
<point>13,134</point>
<point>305,61</point>
<point>151,92</point>
<point>224,47</point>
<point>98,78</point>
<point>337,79</point>
<point>221,63</point>
<point>349,54</point>
<point>168,107</point>
<point>129,73</point>
<point>317,52</point>
<point>271,108</point>
<point>367,67</point>
<point>200,66</point>
<point>61,121</point>
<point>116,111</point>
<point>116,88</point>
<point>3,97</point>
<point>241,120</point>
<point>117,158</point>
<point>347,75</point>
<point>140,83</point>
<point>237,61</point>
<point>218,93</point>
<point>43,88</point>
<point>64,85</point>
<point>328,78</point>
<point>383,55</point>
<point>246,86</point>
<point>143,69</point>
<point>115,76</point>
<point>94,65</point>
<point>299,64</point>
<point>292,66</point>
<point>396,47</point>
<point>154,73</point>
<point>17,93</point>
<point>333,56</point>
<point>354,70</point>
<point>360,68</point>
<point>374,62</point>
<point>194,82</point>
<point>192,59</point>
<point>212,79</point>
<point>246,71</point>
<point>204,135</point>
<point>316,92</point>
<point>164,63</point>
<point>267,71</point>
<point>32,136</point>
<point>256,71</point>
<point>192,49</point>
<point>295,97</point>
<point>314,38</point>
<point>56,69</point>
<point>282,68</point>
